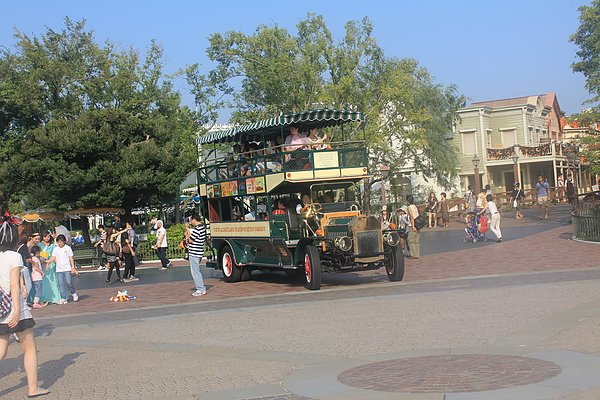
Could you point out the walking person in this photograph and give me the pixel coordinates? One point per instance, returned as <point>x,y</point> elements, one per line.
<point>432,208</point>
<point>161,244</point>
<point>195,241</point>
<point>444,209</point>
<point>470,200</point>
<point>129,250</point>
<point>112,250</point>
<point>492,209</point>
<point>571,195</point>
<point>19,320</point>
<point>50,286</point>
<point>37,276</point>
<point>414,236</point>
<point>543,191</point>
<point>517,196</point>
<point>99,245</point>
<point>65,269</point>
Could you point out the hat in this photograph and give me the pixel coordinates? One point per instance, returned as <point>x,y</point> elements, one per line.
<point>405,209</point>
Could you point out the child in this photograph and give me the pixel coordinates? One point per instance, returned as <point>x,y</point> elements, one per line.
<point>36,276</point>
<point>65,267</point>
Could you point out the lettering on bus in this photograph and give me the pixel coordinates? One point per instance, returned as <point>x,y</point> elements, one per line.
<point>240,229</point>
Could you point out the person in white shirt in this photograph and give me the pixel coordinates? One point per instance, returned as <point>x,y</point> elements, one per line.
<point>492,209</point>
<point>19,320</point>
<point>162,244</point>
<point>65,268</point>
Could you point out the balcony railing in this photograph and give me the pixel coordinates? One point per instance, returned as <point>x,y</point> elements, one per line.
<point>547,149</point>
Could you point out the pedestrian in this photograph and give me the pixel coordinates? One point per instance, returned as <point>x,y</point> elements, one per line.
<point>403,229</point>
<point>492,209</point>
<point>445,209</point>
<point>414,236</point>
<point>19,320</point>
<point>50,286</point>
<point>23,249</point>
<point>517,196</point>
<point>161,244</point>
<point>543,190</point>
<point>62,254</point>
<point>128,252</point>
<point>571,196</point>
<point>99,245</point>
<point>37,276</point>
<point>480,204</point>
<point>112,250</point>
<point>432,209</point>
<point>470,200</point>
<point>195,241</point>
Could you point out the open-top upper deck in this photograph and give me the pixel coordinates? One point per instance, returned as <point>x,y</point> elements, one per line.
<point>261,164</point>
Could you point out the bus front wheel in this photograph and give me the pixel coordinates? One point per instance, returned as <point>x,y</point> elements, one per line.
<point>231,272</point>
<point>312,268</point>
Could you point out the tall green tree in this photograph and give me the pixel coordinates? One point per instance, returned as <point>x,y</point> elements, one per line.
<point>587,38</point>
<point>84,125</point>
<point>409,115</point>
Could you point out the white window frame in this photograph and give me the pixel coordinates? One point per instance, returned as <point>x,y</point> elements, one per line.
<point>471,133</point>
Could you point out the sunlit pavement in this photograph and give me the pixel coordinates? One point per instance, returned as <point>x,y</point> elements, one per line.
<point>511,320</point>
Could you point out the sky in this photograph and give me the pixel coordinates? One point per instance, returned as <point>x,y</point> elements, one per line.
<point>489,49</point>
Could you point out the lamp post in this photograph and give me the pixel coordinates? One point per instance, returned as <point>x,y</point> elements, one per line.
<point>475,162</point>
<point>384,170</point>
<point>515,159</point>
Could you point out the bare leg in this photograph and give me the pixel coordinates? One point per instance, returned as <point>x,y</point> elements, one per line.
<point>30,361</point>
<point>3,346</point>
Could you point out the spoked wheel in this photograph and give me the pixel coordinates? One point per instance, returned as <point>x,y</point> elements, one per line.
<point>312,268</point>
<point>231,272</point>
<point>394,264</point>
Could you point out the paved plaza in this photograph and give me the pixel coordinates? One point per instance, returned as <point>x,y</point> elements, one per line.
<point>513,320</point>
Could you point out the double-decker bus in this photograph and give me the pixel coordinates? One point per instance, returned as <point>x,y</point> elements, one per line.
<point>286,202</point>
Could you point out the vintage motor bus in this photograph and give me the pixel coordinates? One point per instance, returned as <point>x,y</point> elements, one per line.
<point>273,206</point>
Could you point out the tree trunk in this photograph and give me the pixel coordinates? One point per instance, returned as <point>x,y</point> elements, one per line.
<point>85,231</point>
<point>367,197</point>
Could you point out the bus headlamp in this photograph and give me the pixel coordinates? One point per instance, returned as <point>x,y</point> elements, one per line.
<point>392,238</point>
<point>343,243</point>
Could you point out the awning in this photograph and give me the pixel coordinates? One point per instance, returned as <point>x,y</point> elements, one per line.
<point>306,119</point>
<point>41,216</point>
<point>89,212</point>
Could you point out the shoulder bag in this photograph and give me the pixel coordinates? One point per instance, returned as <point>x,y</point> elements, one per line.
<point>5,304</point>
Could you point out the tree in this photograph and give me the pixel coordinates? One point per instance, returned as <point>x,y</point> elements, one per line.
<point>409,115</point>
<point>83,125</point>
<point>587,38</point>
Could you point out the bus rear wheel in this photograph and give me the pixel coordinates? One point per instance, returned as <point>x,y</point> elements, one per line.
<point>312,268</point>
<point>231,272</point>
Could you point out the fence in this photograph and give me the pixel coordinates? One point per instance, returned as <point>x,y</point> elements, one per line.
<point>146,253</point>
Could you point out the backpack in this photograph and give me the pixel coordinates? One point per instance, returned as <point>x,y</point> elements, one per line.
<point>420,220</point>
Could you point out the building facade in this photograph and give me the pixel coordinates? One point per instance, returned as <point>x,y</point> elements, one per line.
<point>514,140</point>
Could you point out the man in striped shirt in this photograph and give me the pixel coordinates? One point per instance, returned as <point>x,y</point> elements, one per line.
<point>196,240</point>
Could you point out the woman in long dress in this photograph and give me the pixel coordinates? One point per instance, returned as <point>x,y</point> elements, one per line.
<point>50,288</point>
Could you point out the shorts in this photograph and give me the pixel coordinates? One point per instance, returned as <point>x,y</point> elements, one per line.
<point>542,200</point>
<point>21,326</point>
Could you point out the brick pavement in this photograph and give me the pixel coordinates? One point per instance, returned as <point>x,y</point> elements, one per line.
<point>550,250</point>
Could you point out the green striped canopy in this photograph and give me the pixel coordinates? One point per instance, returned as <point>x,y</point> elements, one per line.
<point>306,120</point>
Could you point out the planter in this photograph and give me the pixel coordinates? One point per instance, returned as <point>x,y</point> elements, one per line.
<point>586,224</point>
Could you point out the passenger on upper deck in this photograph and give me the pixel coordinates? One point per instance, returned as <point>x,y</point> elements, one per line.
<point>315,142</point>
<point>295,141</point>
<point>303,207</point>
<point>280,208</point>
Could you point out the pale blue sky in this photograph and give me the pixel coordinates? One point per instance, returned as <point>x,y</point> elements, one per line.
<point>489,49</point>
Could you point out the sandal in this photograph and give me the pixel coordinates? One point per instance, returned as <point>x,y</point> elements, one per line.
<point>41,392</point>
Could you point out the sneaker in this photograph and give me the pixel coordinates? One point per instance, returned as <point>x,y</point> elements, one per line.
<point>164,267</point>
<point>16,338</point>
<point>170,264</point>
<point>37,305</point>
<point>199,293</point>
<point>75,297</point>
<point>101,268</point>
<point>133,278</point>
<point>62,301</point>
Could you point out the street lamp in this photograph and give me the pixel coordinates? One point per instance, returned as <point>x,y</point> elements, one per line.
<point>384,170</point>
<point>515,159</point>
<point>476,162</point>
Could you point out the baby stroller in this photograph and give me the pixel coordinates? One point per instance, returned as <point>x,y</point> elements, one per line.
<point>477,226</point>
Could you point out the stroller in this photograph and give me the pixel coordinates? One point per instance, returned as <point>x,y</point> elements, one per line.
<point>477,226</point>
